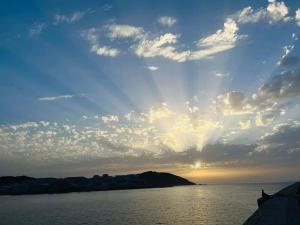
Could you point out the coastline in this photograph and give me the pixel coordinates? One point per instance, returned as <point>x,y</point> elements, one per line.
<point>23,185</point>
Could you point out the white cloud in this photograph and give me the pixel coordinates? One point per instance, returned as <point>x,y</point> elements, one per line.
<point>45,147</point>
<point>294,35</point>
<point>36,29</point>
<point>274,12</point>
<point>223,40</point>
<point>297,17</point>
<point>165,45</point>
<point>167,21</point>
<point>54,98</point>
<point>226,36</point>
<point>152,68</point>
<point>209,52</point>
<point>288,59</point>
<point>287,49</point>
<point>159,112</point>
<point>76,16</point>
<point>277,11</point>
<point>145,44</point>
<point>124,31</point>
<point>161,46</point>
<point>92,36</point>
<point>248,15</point>
<point>222,75</point>
<point>105,51</point>
<point>110,118</point>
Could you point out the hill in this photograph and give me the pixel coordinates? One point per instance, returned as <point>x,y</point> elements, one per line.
<point>22,185</point>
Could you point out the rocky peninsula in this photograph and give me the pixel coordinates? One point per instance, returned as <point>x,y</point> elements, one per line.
<point>23,185</point>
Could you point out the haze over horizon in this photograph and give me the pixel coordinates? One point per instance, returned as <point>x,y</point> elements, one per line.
<point>205,90</point>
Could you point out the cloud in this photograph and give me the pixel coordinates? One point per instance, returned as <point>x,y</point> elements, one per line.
<point>226,36</point>
<point>166,45</point>
<point>36,29</point>
<point>54,98</point>
<point>281,145</point>
<point>225,153</point>
<point>287,50</point>
<point>248,15</point>
<point>285,133</point>
<point>289,61</point>
<point>222,75</point>
<point>295,37</point>
<point>267,102</point>
<point>107,7</point>
<point>297,17</point>
<point>163,45</point>
<point>124,31</point>
<point>245,124</point>
<point>167,21</point>
<point>277,11</point>
<point>231,103</point>
<point>159,112</point>
<point>223,40</point>
<point>159,137</point>
<point>110,118</point>
<point>92,36</point>
<point>152,68</point>
<point>105,51</point>
<point>273,13</point>
<point>234,99</point>
<point>280,87</point>
<point>51,143</point>
<point>147,45</point>
<point>265,107</point>
<point>74,17</point>
<point>264,119</point>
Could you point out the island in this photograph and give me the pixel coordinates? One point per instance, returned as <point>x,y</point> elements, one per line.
<point>23,185</point>
<point>282,208</point>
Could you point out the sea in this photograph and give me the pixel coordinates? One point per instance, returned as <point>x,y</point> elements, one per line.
<point>212,204</point>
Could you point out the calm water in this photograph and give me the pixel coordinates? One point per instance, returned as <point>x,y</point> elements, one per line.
<point>204,205</point>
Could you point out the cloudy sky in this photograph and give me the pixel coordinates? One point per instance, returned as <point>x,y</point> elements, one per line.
<point>209,91</point>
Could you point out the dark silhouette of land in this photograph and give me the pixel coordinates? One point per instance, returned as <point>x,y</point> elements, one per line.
<point>23,185</point>
<point>280,208</point>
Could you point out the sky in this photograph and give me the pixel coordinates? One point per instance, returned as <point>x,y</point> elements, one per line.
<point>208,90</point>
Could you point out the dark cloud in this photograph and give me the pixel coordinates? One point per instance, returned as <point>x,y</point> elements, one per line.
<point>287,133</point>
<point>235,99</point>
<point>282,145</point>
<point>220,152</point>
<point>289,61</point>
<point>282,86</point>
